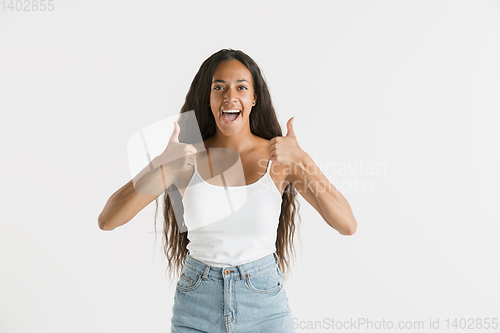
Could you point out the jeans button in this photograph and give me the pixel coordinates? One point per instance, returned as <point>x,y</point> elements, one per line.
<point>226,271</point>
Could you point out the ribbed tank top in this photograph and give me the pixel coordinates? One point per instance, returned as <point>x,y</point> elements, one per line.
<point>231,225</point>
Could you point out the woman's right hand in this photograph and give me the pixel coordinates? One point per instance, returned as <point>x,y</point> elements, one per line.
<point>177,156</point>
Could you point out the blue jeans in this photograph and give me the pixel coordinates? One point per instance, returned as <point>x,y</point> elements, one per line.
<point>243,298</point>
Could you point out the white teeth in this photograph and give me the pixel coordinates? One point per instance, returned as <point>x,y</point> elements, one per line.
<point>231,111</point>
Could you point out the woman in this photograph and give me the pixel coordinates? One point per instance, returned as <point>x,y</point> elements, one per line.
<point>232,261</point>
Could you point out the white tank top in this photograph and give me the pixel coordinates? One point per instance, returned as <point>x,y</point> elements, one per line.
<point>231,225</point>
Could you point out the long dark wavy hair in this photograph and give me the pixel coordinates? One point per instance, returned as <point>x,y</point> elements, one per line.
<point>263,123</point>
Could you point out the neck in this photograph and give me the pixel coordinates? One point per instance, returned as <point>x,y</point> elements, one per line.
<point>241,142</point>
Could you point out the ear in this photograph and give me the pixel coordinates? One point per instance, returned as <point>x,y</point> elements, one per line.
<point>254,99</point>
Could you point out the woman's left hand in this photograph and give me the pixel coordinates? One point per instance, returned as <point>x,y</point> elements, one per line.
<point>286,149</point>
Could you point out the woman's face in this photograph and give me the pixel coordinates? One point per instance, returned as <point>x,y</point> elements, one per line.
<point>231,90</point>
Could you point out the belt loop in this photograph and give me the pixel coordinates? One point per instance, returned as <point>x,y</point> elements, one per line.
<point>242,272</point>
<point>205,272</point>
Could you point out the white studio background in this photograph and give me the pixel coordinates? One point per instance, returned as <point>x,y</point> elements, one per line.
<point>396,101</point>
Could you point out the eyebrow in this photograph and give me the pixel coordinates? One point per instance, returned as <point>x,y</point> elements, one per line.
<point>222,81</point>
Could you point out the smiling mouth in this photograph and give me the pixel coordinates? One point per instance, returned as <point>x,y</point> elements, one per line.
<point>231,116</point>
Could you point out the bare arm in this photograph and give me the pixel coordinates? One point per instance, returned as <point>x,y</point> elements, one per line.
<point>313,185</point>
<point>148,184</point>
<point>130,199</point>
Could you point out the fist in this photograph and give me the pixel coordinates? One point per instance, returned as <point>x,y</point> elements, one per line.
<point>286,149</point>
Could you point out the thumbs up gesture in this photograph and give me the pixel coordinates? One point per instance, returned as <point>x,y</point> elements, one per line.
<point>177,156</point>
<point>286,149</point>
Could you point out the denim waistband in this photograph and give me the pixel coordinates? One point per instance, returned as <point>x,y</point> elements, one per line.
<point>238,270</point>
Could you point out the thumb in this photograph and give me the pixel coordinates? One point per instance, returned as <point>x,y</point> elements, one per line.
<point>175,134</point>
<point>289,126</point>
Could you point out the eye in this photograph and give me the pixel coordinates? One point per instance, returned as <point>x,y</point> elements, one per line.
<point>217,87</point>
<point>243,87</point>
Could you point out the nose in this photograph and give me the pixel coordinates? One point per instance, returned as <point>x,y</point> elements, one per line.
<point>229,95</point>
